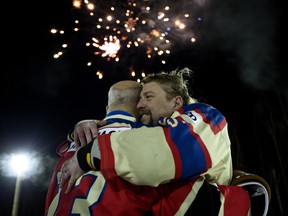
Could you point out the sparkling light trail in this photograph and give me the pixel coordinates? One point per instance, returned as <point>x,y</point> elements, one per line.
<point>119,29</point>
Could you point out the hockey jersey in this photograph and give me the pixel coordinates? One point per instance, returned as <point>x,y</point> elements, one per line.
<point>65,150</point>
<point>193,142</point>
<point>92,194</point>
<point>186,193</point>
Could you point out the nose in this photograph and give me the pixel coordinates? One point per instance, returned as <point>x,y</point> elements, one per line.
<point>140,105</point>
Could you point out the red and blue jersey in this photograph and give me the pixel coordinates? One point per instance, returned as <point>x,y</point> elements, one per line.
<point>176,168</point>
<point>192,143</point>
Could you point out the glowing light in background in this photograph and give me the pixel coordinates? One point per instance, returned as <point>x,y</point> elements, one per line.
<point>119,29</point>
<point>29,165</point>
<point>21,165</point>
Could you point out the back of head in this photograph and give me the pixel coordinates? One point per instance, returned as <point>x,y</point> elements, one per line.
<point>124,95</point>
<point>173,83</point>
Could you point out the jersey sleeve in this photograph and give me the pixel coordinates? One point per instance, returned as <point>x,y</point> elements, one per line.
<point>193,142</point>
<point>65,150</point>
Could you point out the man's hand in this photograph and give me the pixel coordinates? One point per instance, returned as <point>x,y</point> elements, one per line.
<point>86,130</point>
<point>71,171</point>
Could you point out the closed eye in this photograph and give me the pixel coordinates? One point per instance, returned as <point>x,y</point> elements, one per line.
<point>147,96</point>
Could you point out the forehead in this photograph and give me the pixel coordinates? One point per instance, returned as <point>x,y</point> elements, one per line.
<point>151,87</point>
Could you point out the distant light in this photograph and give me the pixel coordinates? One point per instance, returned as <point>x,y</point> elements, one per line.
<point>99,74</point>
<point>182,25</point>
<point>90,6</point>
<point>20,163</point>
<point>26,164</point>
<point>53,31</point>
<point>160,15</point>
<point>109,18</point>
<point>77,4</point>
<point>56,56</point>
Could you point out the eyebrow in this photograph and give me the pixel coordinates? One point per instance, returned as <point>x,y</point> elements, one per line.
<point>146,93</point>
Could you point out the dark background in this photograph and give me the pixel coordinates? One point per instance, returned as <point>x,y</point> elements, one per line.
<point>239,67</point>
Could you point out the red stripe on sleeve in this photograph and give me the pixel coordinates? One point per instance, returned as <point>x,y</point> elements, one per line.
<point>203,147</point>
<point>215,128</point>
<point>107,165</point>
<point>175,153</point>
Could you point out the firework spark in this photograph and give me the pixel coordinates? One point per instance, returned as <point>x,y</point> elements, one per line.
<point>117,29</point>
<point>109,48</point>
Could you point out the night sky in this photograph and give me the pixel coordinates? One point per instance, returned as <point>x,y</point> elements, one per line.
<point>237,59</point>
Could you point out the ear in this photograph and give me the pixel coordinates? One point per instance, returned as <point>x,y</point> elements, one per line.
<point>178,103</point>
<point>107,107</point>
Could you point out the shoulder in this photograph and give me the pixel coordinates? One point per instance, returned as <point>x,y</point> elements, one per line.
<point>199,108</point>
<point>202,111</point>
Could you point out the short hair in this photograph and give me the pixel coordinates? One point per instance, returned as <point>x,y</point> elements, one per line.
<point>123,93</point>
<point>173,83</point>
<point>123,96</point>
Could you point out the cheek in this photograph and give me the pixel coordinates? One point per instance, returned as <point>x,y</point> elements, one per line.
<point>160,108</point>
<point>161,111</point>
